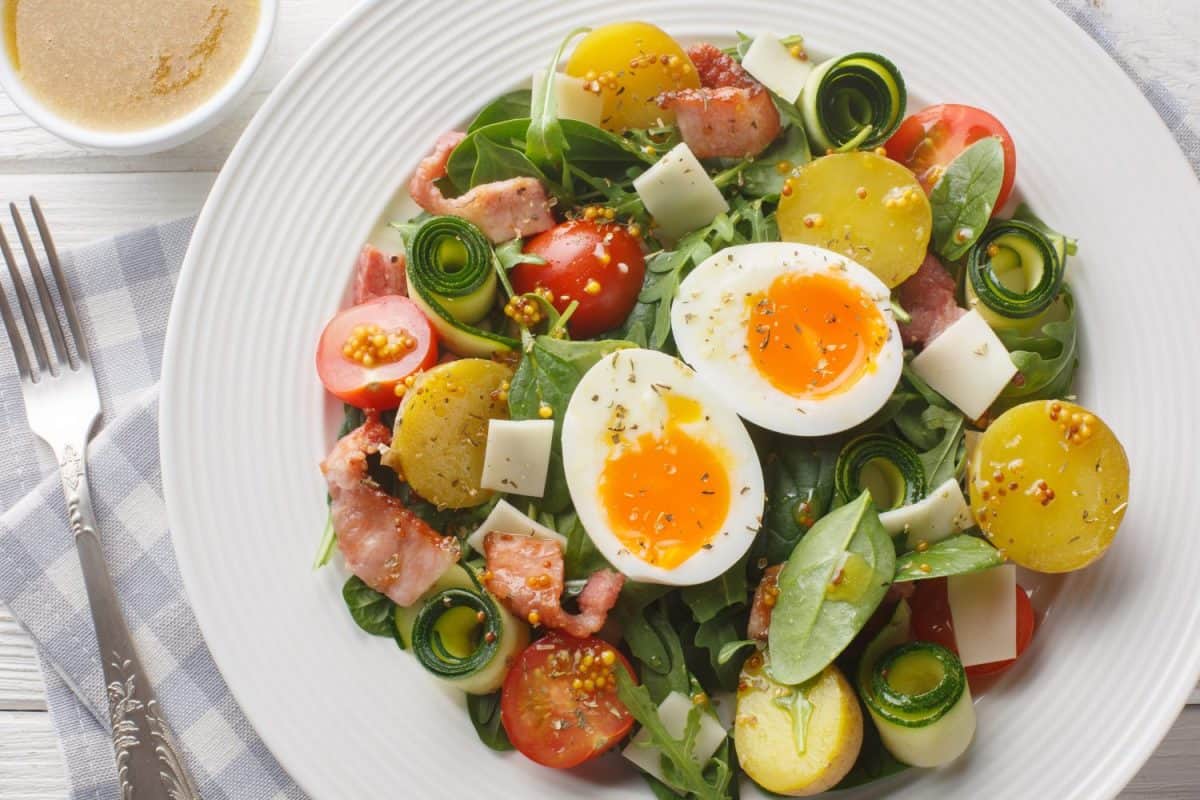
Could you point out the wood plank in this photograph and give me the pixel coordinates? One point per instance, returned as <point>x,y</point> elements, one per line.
<point>21,687</point>
<point>31,765</point>
<point>1171,773</point>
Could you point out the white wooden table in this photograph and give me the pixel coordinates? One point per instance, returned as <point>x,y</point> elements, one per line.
<point>89,196</point>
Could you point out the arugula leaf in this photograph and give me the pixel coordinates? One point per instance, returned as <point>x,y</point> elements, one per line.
<point>513,105</point>
<point>545,143</point>
<point>964,197</point>
<point>813,621</point>
<point>956,555</point>
<point>484,710</point>
<point>680,767</point>
<point>707,600</point>
<point>714,635</point>
<point>942,462</point>
<point>799,483</point>
<point>762,178</point>
<point>1046,361</point>
<point>654,641</point>
<point>371,610</point>
<point>581,558</point>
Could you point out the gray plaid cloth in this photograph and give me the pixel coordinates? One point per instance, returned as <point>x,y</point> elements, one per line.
<point>124,288</point>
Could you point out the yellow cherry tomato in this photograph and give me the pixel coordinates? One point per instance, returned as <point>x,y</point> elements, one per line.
<point>861,204</point>
<point>631,64</point>
<point>1049,483</point>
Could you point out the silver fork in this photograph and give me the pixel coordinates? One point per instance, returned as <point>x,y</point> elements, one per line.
<point>62,406</point>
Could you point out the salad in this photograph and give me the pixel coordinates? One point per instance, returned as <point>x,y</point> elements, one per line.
<point>711,411</point>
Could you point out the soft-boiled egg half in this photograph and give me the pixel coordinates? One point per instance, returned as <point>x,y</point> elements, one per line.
<point>794,338</point>
<point>662,473</point>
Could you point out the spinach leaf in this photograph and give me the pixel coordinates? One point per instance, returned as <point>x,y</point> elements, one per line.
<point>654,641</point>
<point>1046,361</point>
<point>942,462</point>
<point>707,600</point>
<point>799,482</point>
<point>371,610</point>
<point>484,710</point>
<point>964,197</point>
<point>495,162</point>
<point>513,105</point>
<point>549,371</point>
<point>762,177</point>
<point>695,780</point>
<point>715,635</point>
<point>814,618</point>
<point>954,556</point>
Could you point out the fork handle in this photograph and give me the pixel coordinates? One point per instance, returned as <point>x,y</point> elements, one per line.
<point>149,765</point>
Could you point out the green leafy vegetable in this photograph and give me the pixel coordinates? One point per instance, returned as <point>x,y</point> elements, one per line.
<point>545,143</point>
<point>714,635</point>
<point>1046,361</point>
<point>654,641</point>
<point>965,196</point>
<point>514,105</point>
<point>707,600</point>
<point>695,780</point>
<point>799,481</point>
<point>1065,245</point>
<point>957,555</point>
<point>484,710</point>
<point>495,162</point>
<point>731,648</point>
<point>371,610</point>
<point>943,461</point>
<point>328,543</point>
<point>581,558</point>
<point>874,762</point>
<point>762,177</point>
<point>829,587</point>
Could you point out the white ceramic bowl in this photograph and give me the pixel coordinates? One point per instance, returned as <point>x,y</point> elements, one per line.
<point>161,137</point>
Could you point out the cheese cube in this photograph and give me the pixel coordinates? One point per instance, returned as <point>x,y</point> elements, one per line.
<point>967,364</point>
<point>507,519</point>
<point>769,61</point>
<point>936,516</point>
<point>518,456</point>
<point>679,194</point>
<point>983,608</point>
<point>673,711</point>
<point>573,100</point>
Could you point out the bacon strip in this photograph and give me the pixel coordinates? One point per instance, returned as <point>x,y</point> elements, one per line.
<point>526,573</point>
<point>385,544</point>
<point>928,297</point>
<point>764,603</point>
<point>730,116</point>
<point>503,210</point>
<point>377,275</point>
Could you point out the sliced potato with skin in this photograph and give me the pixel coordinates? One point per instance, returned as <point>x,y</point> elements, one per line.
<point>632,63</point>
<point>765,736</point>
<point>863,205</point>
<point>1049,482</point>
<point>441,430</point>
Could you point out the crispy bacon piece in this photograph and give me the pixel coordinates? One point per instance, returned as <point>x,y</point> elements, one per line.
<point>730,116</point>
<point>526,573</point>
<point>764,603</point>
<point>377,274</point>
<point>503,210</point>
<point>928,297</point>
<point>385,544</point>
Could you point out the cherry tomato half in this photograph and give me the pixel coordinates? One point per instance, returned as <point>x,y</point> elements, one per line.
<point>367,349</point>
<point>929,140</point>
<point>559,703</point>
<point>931,622</point>
<point>600,265</point>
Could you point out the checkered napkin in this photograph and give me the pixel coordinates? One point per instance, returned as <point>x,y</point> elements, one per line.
<point>123,287</point>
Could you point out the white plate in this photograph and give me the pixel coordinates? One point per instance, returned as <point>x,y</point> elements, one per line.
<point>244,421</point>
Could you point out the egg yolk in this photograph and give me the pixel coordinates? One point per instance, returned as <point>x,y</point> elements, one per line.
<point>814,334</point>
<point>666,495</point>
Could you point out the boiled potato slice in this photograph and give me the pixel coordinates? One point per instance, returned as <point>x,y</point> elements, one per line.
<point>1049,483</point>
<point>861,204</point>
<point>441,430</point>
<point>766,737</point>
<point>633,63</point>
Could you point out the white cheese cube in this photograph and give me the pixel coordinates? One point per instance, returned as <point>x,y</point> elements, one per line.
<point>507,519</point>
<point>967,364</point>
<point>769,61</point>
<point>983,608</point>
<point>673,711</point>
<point>517,456</point>
<point>936,516</point>
<point>574,101</point>
<point>679,194</point>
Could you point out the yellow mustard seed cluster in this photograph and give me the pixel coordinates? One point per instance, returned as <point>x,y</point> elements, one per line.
<point>902,198</point>
<point>601,213</point>
<point>371,345</point>
<point>526,311</point>
<point>1077,426</point>
<point>403,386</point>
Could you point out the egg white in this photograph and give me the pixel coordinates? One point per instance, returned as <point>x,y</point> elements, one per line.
<point>639,380</point>
<point>709,323</point>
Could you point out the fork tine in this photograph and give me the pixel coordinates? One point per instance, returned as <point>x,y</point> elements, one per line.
<point>39,281</point>
<point>31,323</point>
<point>14,336</point>
<point>64,291</point>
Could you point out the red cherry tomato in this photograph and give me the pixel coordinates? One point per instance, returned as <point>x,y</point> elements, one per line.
<point>931,622</point>
<point>552,720</point>
<point>929,140</point>
<point>600,265</point>
<point>388,339</point>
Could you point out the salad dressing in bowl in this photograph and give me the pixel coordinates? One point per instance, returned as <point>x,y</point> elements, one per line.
<point>127,65</point>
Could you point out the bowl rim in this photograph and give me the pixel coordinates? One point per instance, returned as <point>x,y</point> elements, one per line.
<point>170,134</point>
